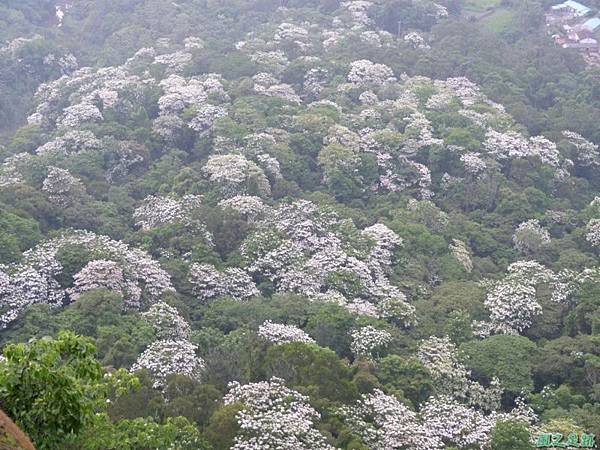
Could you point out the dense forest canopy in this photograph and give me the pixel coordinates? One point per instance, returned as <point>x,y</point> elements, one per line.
<point>297,224</point>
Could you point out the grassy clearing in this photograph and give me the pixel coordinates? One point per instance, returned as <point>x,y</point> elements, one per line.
<point>499,21</point>
<point>479,6</point>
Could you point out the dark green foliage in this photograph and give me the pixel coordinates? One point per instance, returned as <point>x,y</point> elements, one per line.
<point>312,368</point>
<point>49,387</point>
<point>504,357</point>
<point>511,435</point>
<point>407,378</point>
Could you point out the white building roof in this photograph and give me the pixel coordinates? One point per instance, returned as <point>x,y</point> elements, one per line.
<point>592,24</point>
<point>580,10</point>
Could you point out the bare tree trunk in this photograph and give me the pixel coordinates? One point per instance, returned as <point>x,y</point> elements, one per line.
<point>9,428</point>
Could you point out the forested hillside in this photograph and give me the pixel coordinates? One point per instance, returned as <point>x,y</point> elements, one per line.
<point>297,224</point>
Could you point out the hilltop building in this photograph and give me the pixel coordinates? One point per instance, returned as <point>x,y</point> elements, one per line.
<point>571,7</point>
<point>571,27</point>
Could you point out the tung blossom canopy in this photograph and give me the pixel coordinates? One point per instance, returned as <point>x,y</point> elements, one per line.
<point>170,356</point>
<point>209,283</point>
<point>368,340</point>
<point>274,416</point>
<point>279,333</point>
<point>128,271</point>
<point>102,274</point>
<point>530,237</point>
<point>232,172</point>
<point>364,72</point>
<point>384,423</point>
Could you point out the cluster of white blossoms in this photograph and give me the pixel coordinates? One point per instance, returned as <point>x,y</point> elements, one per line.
<point>302,248</point>
<point>24,288</point>
<point>467,91</point>
<point>77,115</point>
<point>16,44</point>
<point>119,156</point>
<point>454,423</point>
<point>395,309</point>
<point>368,341</point>
<point>70,143</point>
<point>180,93</point>
<point>592,234</point>
<point>474,164</point>
<point>416,40</point>
<point>203,95</point>
<point>289,34</point>
<point>156,211</point>
<point>274,417</point>
<point>452,379</point>
<point>34,278</point>
<point>170,356</point>
<point>466,427</point>
<point>585,152</point>
<point>384,423</point>
<point>86,89</point>
<point>167,322</point>
<point>266,84</point>
<point>314,81</point>
<point>193,42</point>
<point>512,145</point>
<point>174,62</point>
<point>62,188</point>
<point>459,250</point>
<point>65,63</point>
<point>530,237</point>
<point>102,274</point>
<point>232,173</point>
<point>248,206</point>
<point>592,228</point>
<point>11,169</point>
<point>208,283</point>
<point>441,101</point>
<point>172,352</point>
<point>279,333</point>
<point>275,61</point>
<point>358,11</point>
<point>512,301</point>
<point>364,73</point>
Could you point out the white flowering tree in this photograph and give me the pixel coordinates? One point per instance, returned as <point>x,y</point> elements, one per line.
<point>102,274</point>
<point>384,423</point>
<point>456,424</point>
<point>585,153</point>
<point>62,188</point>
<point>365,73</point>
<point>167,322</point>
<point>170,356</point>
<point>127,271</point>
<point>512,301</point>
<point>232,173</point>
<point>250,207</point>
<point>24,288</point>
<point>368,341</point>
<point>461,253</point>
<point>156,211</point>
<point>592,234</point>
<point>208,283</point>
<point>274,416</point>
<point>452,379</point>
<point>266,84</point>
<point>530,237</point>
<point>279,333</point>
